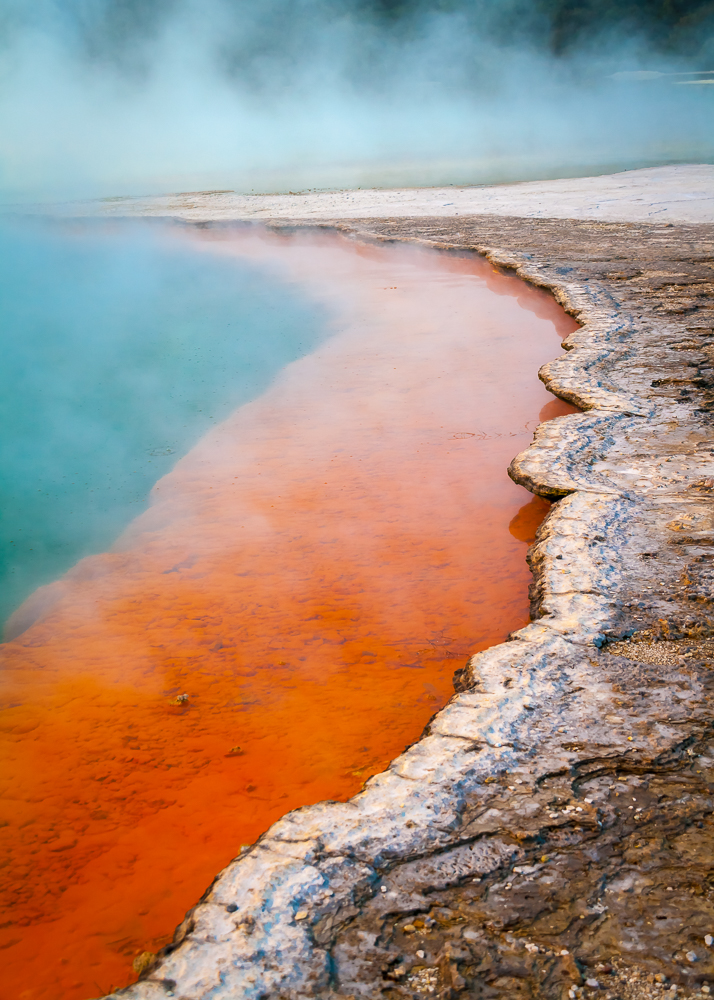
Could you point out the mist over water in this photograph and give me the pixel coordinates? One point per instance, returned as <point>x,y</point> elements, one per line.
<point>120,350</point>
<point>133,97</point>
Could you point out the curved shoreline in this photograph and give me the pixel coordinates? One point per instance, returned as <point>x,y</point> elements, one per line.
<point>307,582</point>
<point>319,906</point>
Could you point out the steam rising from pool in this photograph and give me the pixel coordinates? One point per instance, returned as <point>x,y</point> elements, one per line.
<point>118,98</point>
<point>119,352</point>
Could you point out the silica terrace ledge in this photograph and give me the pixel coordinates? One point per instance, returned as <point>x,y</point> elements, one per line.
<point>557,814</point>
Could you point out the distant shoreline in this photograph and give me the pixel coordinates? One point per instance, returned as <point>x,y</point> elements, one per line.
<point>672,194</point>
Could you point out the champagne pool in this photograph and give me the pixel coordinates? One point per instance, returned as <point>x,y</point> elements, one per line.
<point>256,515</point>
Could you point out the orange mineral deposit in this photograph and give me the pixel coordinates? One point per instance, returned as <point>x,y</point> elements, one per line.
<point>286,615</point>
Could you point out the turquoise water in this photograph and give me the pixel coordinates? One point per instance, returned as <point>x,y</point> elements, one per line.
<point>119,350</point>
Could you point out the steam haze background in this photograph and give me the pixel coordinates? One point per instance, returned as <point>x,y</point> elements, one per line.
<point>115,97</point>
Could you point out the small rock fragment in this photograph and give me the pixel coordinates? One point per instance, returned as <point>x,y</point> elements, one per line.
<point>691,956</point>
<point>708,940</point>
<point>301,914</point>
<point>143,962</point>
<point>593,984</point>
<point>421,954</point>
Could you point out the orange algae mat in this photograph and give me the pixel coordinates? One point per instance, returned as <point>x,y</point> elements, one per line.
<point>310,575</point>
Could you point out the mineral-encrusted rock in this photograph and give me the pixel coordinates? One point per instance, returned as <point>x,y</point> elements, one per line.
<point>553,829</point>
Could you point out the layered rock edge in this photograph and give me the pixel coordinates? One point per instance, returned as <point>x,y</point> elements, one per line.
<point>558,814</point>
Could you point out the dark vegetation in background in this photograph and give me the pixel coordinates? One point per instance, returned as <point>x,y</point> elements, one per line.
<point>679,26</point>
<point>121,31</point>
<point>672,26</point>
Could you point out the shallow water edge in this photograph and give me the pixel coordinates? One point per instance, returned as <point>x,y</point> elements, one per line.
<point>555,821</point>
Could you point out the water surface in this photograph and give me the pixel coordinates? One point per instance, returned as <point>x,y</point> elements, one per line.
<point>119,350</point>
<point>309,576</point>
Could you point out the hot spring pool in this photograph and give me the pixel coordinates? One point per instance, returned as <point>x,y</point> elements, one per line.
<point>282,459</point>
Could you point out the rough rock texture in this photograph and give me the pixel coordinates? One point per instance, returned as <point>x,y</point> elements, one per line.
<point>554,827</point>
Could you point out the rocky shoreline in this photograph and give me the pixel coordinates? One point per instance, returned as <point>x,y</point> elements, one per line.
<point>552,833</point>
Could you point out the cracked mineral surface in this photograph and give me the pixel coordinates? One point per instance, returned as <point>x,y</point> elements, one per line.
<point>552,833</point>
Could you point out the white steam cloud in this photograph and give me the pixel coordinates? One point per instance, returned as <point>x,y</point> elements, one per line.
<point>115,97</point>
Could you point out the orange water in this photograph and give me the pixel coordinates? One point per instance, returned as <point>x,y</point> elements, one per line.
<point>310,575</point>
